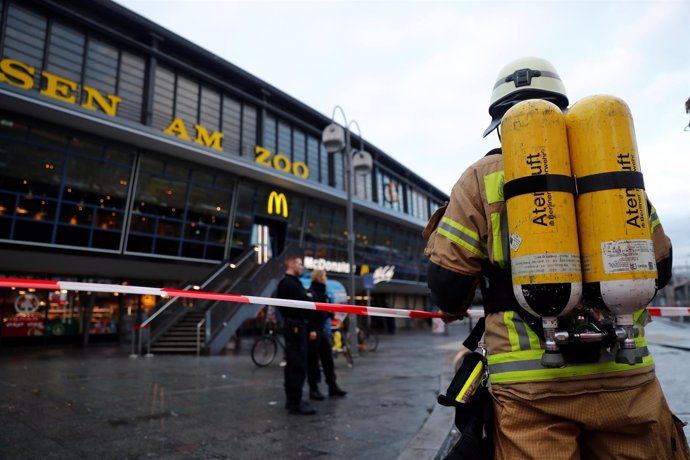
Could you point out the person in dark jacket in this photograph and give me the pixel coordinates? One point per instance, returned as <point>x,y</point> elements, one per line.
<point>320,349</point>
<point>297,334</point>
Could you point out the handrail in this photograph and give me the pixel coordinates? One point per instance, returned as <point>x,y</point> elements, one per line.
<point>223,315</point>
<point>165,309</point>
<point>198,336</point>
<point>208,281</point>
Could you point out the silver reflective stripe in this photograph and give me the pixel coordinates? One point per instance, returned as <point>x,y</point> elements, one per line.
<point>535,364</point>
<point>521,330</point>
<point>461,235</point>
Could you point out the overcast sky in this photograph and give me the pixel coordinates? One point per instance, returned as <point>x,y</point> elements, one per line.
<point>417,75</point>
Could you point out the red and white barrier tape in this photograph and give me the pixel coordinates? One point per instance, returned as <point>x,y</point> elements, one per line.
<point>306,305</point>
<point>194,294</point>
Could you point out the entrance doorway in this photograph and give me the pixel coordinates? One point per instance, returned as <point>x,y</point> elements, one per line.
<point>268,235</point>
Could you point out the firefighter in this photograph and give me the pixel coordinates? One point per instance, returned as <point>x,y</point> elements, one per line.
<point>595,408</point>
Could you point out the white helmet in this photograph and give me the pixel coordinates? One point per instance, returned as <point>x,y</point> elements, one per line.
<point>522,79</point>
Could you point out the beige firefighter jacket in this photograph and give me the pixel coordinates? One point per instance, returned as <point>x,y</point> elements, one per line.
<point>471,233</point>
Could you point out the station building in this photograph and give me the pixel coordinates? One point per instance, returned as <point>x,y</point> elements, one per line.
<point>129,155</point>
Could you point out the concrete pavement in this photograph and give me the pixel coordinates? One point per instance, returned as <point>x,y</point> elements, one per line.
<point>64,403</point>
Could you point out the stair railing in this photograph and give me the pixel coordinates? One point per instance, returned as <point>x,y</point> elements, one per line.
<point>170,311</point>
<point>222,320</point>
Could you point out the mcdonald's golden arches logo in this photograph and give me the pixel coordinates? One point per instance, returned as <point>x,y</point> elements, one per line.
<point>278,203</point>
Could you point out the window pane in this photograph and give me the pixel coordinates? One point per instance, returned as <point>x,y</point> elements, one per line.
<point>131,86</point>
<point>248,130</point>
<point>101,66</point>
<point>187,100</point>
<point>269,141</point>
<point>180,209</point>
<point>164,90</point>
<point>284,140</point>
<point>300,146</point>
<point>65,52</point>
<point>313,159</point>
<point>231,125</point>
<point>209,111</point>
<point>25,37</point>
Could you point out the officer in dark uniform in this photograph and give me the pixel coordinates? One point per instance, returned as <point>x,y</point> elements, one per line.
<point>321,348</point>
<point>297,334</point>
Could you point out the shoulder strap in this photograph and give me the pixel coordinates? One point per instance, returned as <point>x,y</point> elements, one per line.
<point>472,340</point>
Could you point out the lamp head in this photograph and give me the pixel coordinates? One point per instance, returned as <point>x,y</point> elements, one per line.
<point>362,162</point>
<point>333,138</point>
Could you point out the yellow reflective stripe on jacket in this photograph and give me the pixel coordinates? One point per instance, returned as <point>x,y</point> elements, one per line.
<point>520,335</point>
<point>497,240</point>
<point>493,184</point>
<point>525,365</point>
<point>462,236</point>
<point>532,370</point>
<point>654,218</point>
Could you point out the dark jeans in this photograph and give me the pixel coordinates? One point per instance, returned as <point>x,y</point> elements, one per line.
<point>320,349</point>
<point>296,357</point>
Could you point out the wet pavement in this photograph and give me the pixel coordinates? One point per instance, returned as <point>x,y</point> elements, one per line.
<point>98,403</point>
<point>64,403</point>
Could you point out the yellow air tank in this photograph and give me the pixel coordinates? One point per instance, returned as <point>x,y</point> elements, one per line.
<point>619,267</point>
<point>539,194</point>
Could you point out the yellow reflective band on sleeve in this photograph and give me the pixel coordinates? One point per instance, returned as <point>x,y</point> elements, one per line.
<point>462,236</point>
<point>493,183</point>
<point>654,218</point>
<point>525,366</point>
<point>497,241</point>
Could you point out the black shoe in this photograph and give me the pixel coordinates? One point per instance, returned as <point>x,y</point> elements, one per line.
<point>336,392</point>
<point>302,409</point>
<point>316,395</point>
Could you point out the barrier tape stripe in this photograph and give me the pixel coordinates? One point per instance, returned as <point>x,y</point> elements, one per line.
<point>194,294</point>
<point>303,304</point>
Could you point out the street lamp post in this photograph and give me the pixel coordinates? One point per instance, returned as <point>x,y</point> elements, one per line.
<point>336,139</point>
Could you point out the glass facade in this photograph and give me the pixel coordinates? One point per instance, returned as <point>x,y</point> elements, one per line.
<point>59,189</point>
<point>66,189</point>
<point>179,209</point>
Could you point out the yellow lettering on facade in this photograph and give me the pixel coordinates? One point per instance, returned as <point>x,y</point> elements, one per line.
<point>281,163</point>
<point>21,75</point>
<point>17,73</point>
<point>59,88</point>
<point>203,138</point>
<point>178,129</point>
<point>263,155</point>
<point>299,169</point>
<point>108,106</point>
<point>279,202</point>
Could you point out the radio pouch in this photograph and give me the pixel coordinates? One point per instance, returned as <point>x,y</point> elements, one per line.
<point>469,395</point>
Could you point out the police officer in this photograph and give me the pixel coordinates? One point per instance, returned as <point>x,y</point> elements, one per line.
<point>297,334</point>
<point>321,349</point>
<point>596,409</point>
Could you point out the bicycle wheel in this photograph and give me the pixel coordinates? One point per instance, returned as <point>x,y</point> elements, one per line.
<point>264,351</point>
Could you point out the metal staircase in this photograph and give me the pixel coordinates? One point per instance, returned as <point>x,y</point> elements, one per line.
<point>181,337</point>
<point>205,326</point>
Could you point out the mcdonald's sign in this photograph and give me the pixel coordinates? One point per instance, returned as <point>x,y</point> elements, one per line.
<point>278,203</point>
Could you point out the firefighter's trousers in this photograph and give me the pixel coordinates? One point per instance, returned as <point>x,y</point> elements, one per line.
<point>633,423</point>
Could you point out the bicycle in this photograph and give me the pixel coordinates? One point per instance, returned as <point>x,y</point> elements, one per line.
<point>266,346</point>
